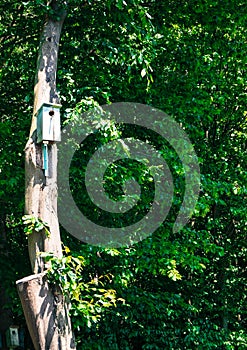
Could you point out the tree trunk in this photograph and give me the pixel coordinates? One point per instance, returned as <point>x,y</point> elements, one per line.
<point>45,307</point>
<point>46,313</point>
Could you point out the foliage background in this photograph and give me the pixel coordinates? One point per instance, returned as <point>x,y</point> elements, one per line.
<point>170,291</point>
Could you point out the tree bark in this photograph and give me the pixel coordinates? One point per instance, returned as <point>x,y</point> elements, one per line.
<point>45,307</point>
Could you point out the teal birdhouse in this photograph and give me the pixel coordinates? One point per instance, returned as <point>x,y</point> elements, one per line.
<point>48,123</point>
<point>12,337</point>
<point>48,130</point>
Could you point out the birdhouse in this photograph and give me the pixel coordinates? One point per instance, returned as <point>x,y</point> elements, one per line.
<point>12,337</point>
<point>48,123</point>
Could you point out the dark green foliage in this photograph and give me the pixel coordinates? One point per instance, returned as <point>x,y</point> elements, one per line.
<point>170,291</point>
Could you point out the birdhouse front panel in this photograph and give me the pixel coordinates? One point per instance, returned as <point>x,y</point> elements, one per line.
<point>48,123</point>
<point>12,337</point>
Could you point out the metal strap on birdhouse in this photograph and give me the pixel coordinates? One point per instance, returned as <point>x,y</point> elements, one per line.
<point>45,158</point>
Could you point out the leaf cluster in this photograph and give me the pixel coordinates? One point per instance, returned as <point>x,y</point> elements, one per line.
<point>33,223</point>
<point>89,298</point>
